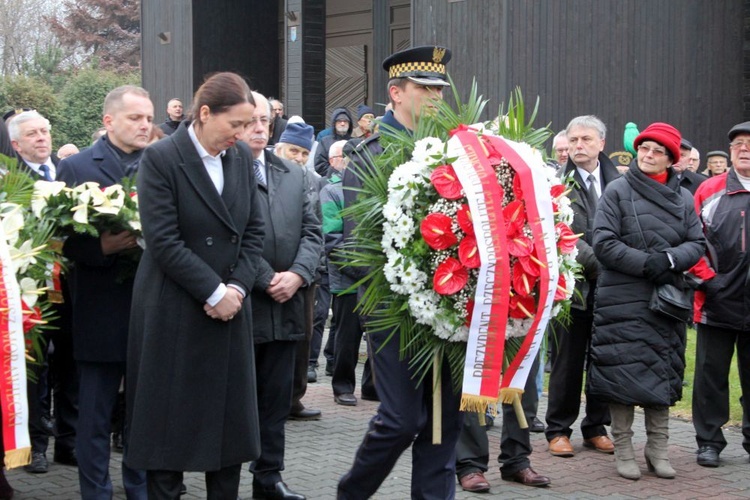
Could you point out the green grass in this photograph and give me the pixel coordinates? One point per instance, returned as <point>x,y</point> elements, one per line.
<point>684,408</point>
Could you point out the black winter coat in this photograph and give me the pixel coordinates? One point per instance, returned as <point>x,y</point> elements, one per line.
<point>638,356</point>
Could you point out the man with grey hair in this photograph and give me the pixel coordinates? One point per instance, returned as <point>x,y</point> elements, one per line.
<point>101,285</point>
<point>30,136</point>
<point>560,151</point>
<point>592,170</point>
<point>287,267</point>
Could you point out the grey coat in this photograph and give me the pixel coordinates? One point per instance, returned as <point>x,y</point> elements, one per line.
<point>191,379</point>
<point>293,242</point>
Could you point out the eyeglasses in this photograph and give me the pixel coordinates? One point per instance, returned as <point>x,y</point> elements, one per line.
<point>264,121</point>
<point>739,144</point>
<point>655,152</point>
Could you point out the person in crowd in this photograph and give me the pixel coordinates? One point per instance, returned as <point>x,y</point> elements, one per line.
<point>174,117</point>
<point>646,234</point>
<point>6,148</point>
<point>403,418</point>
<point>67,150</point>
<point>365,119</point>
<point>190,351</point>
<point>341,127</point>
<point>101,293</point>
<point>97,134</point>
<point>278,121</point>
<point>473,449</point>
<point>30,135</point>
<point>686,178</point>
<point>717,163</point>
<point>290,258</point>
<point>560,149</point>
<point>721,315</point>
<point>348,332</point>
<point>592,171</point>
<point>294,146</point>
<point>156,134</point>
<point>695,160</point>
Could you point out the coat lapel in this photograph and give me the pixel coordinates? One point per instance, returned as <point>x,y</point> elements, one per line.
<point>109,164</point>
<point>196,174</point>
<point>231,164</point>
<point>275,170</point>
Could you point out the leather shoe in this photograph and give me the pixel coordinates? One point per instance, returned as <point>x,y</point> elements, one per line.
<point>312,375</point>
<point>66,457</point>
<point>602,444</point>
<point>560,447</point>
<point>527,477</point>
<point>38,465</point>
<point>708,456</point>
<point>280,491</point>
<point>536,425</point>
<point>346,399</point>
<point>474,482</point>
<point>305,414</point>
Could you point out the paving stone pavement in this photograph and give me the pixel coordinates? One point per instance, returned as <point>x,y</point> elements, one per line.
<point>319,452</point>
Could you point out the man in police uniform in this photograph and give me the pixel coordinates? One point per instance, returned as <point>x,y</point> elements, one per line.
<point>417,76</point>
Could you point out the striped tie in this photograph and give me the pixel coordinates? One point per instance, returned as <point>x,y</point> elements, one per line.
<point>258,167</point>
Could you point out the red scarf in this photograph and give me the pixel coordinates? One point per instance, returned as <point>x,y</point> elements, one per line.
<point>660,178</point>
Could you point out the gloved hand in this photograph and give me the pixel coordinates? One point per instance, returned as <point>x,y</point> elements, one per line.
<point>670,278</point>
<point>656,264</point>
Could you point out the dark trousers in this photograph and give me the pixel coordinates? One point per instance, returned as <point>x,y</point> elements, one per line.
<point>515,443</point>
<point>302,353</point>
<point>274,366</point>
<point>223,484</point>
<point>322,308</point>
<point>713,357</point>
<point>348,338</point>
<point>404,418</point>
<point>473,447</point>
<point>64,382</point>
<point>99,385</point>
<point>566,381</point>
<point>36,392</point>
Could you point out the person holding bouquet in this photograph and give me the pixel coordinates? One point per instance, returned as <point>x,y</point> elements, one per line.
<point>646,234</point>
<point>191,391</point>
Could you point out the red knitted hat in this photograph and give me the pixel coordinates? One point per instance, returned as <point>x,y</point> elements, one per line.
<point>663,133</point>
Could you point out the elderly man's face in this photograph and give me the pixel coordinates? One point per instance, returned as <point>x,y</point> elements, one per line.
<point>295,153</point>
<point>561,150</point>
<point>34,142</point>
<point>739,150</point>
<point>682,165</point>
<point>717,165</point>
<point>585,144</point>
<point>174,109</point>
<point>256,135</point>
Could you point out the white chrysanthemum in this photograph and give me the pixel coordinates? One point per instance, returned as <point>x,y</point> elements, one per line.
<point>392,212</point>
<point>518,327</point>
<point>429,150</point>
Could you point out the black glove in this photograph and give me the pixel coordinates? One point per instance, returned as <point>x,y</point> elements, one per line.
<point>656,264</point>
<point>670,278</point>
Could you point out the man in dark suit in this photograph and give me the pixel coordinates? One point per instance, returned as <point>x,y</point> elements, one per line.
<point>101,293</point>
<point>592,170</point>
<point>291,254</point>
<point>688,179</point>
<point>30,136</point>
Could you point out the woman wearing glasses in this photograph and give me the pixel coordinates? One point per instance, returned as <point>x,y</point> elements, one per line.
<point>646,233</point>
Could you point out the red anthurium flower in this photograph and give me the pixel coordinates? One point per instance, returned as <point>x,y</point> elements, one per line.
<point>514,214</point>
<point>567,240</point>
<point>523,283</point>
<point>522,307</point>
<point>436,231</point>
<point>450,277</point>
<point>494,155</point>
<point>557,190</point>
<point>530,267</point>
<point>469,312</point>
<point>520,246</point>
<point>446,182</point>
<point>465,222</point>
<point>468,252</point>
<point>517,190</point>
<point>31,317</point>
<point>561,291</point>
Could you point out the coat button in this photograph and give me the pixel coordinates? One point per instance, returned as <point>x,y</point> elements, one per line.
<point>209,241</point>
<point>231,268</point>
<point>234,238</point>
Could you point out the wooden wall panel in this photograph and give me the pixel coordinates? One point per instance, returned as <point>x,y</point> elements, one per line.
<point>679,61</point>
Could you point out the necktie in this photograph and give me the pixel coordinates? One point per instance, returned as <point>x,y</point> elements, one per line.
<point>45,171</point>
<point>258,167</point>
<point>591,193</point>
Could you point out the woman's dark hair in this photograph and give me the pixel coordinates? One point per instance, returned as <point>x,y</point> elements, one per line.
<point>220,92</point>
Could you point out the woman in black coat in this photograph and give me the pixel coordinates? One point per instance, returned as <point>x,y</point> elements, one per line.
<point>646,233</point>
<point>191,376</point>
